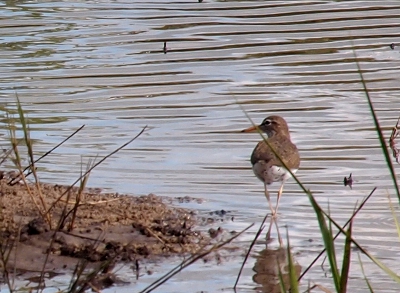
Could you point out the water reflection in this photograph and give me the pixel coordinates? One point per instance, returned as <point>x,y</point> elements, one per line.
<point>267,266</point>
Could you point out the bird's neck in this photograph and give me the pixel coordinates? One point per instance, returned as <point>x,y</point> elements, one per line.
<point>274,134</point>
<point>270,133</point>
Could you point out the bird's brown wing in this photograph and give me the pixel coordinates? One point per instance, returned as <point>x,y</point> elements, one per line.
<point>263,152</point>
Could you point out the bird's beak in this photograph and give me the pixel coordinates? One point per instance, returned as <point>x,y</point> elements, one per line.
<point>250,129</point>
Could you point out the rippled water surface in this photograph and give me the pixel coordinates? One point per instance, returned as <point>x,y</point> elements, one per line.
<point>101,63</point>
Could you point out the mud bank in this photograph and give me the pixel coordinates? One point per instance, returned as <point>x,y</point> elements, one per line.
<point>39,221</point>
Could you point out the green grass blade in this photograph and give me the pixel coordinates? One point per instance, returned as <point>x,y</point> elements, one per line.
<point>338,233</point>
<point>281,279</point>
<point>394,217</point>
<point>14,142</point>
<point>378,128</point>
<point>25,128</point>
<point>294,284</point>
<point>365,277</point>
<point>328,242</point>
<point>346,260</point>
<point>386,269</point>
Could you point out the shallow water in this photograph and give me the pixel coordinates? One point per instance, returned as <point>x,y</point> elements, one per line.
<point>101,63</point>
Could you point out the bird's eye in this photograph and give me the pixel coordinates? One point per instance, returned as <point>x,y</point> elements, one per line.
<point>266,122</point>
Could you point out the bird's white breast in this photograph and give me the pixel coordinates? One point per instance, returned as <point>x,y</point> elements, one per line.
<point>269,174</point>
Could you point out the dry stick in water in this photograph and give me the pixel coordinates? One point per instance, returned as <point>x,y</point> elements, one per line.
<point>348,221</point>
<point>392,141</point>
<point>188,262</point>
<point>250,248</point>
<point>14,180</point>
<point>62,216</point>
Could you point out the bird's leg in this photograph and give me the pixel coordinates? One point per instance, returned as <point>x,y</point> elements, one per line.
<point>268,199</point>
<point>279,197</point>
<point>277,231</point>
<point>268,235</point>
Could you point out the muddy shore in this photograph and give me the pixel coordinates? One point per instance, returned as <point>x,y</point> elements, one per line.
<point>39,221</point>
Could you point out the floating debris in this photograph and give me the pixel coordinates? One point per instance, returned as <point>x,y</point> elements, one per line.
<point>165,49</point>
<point>392,141</point>
<point>348,181</point>
<point>137,269</point>
<point>214,232</point>
<point>392,46</point>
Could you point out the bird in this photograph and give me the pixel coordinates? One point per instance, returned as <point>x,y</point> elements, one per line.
<point>266,165</point>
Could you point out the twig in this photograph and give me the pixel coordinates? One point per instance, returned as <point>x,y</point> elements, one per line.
<point>6,154</point>
<point>188,262</point>
<point>78,197</point>
<point>348,221</point>
<point>392,141</point>
<point>94,166</point>
<point>13,181</point>
<point>250,248</point>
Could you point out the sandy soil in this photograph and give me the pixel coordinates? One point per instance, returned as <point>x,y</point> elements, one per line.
<point>98,227</point>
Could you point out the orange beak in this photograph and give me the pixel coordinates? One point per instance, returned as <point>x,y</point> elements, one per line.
<point>250,129</point>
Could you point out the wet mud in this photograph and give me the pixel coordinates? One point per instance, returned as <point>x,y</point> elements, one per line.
<point>48,226</point>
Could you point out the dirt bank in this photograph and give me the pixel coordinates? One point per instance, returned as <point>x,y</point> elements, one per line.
<point>102,227</point>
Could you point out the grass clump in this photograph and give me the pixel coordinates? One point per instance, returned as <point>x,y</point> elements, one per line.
<point>340,273</point>
<point>340,277</point>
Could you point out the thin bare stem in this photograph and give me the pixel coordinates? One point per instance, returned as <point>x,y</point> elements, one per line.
<point>260,229</point>
<point>344,226</point>
<point>188,262</point>
<point>94,166</point>
<point>79,196</point>
<point>14,180</point>
<point>5,155</point>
